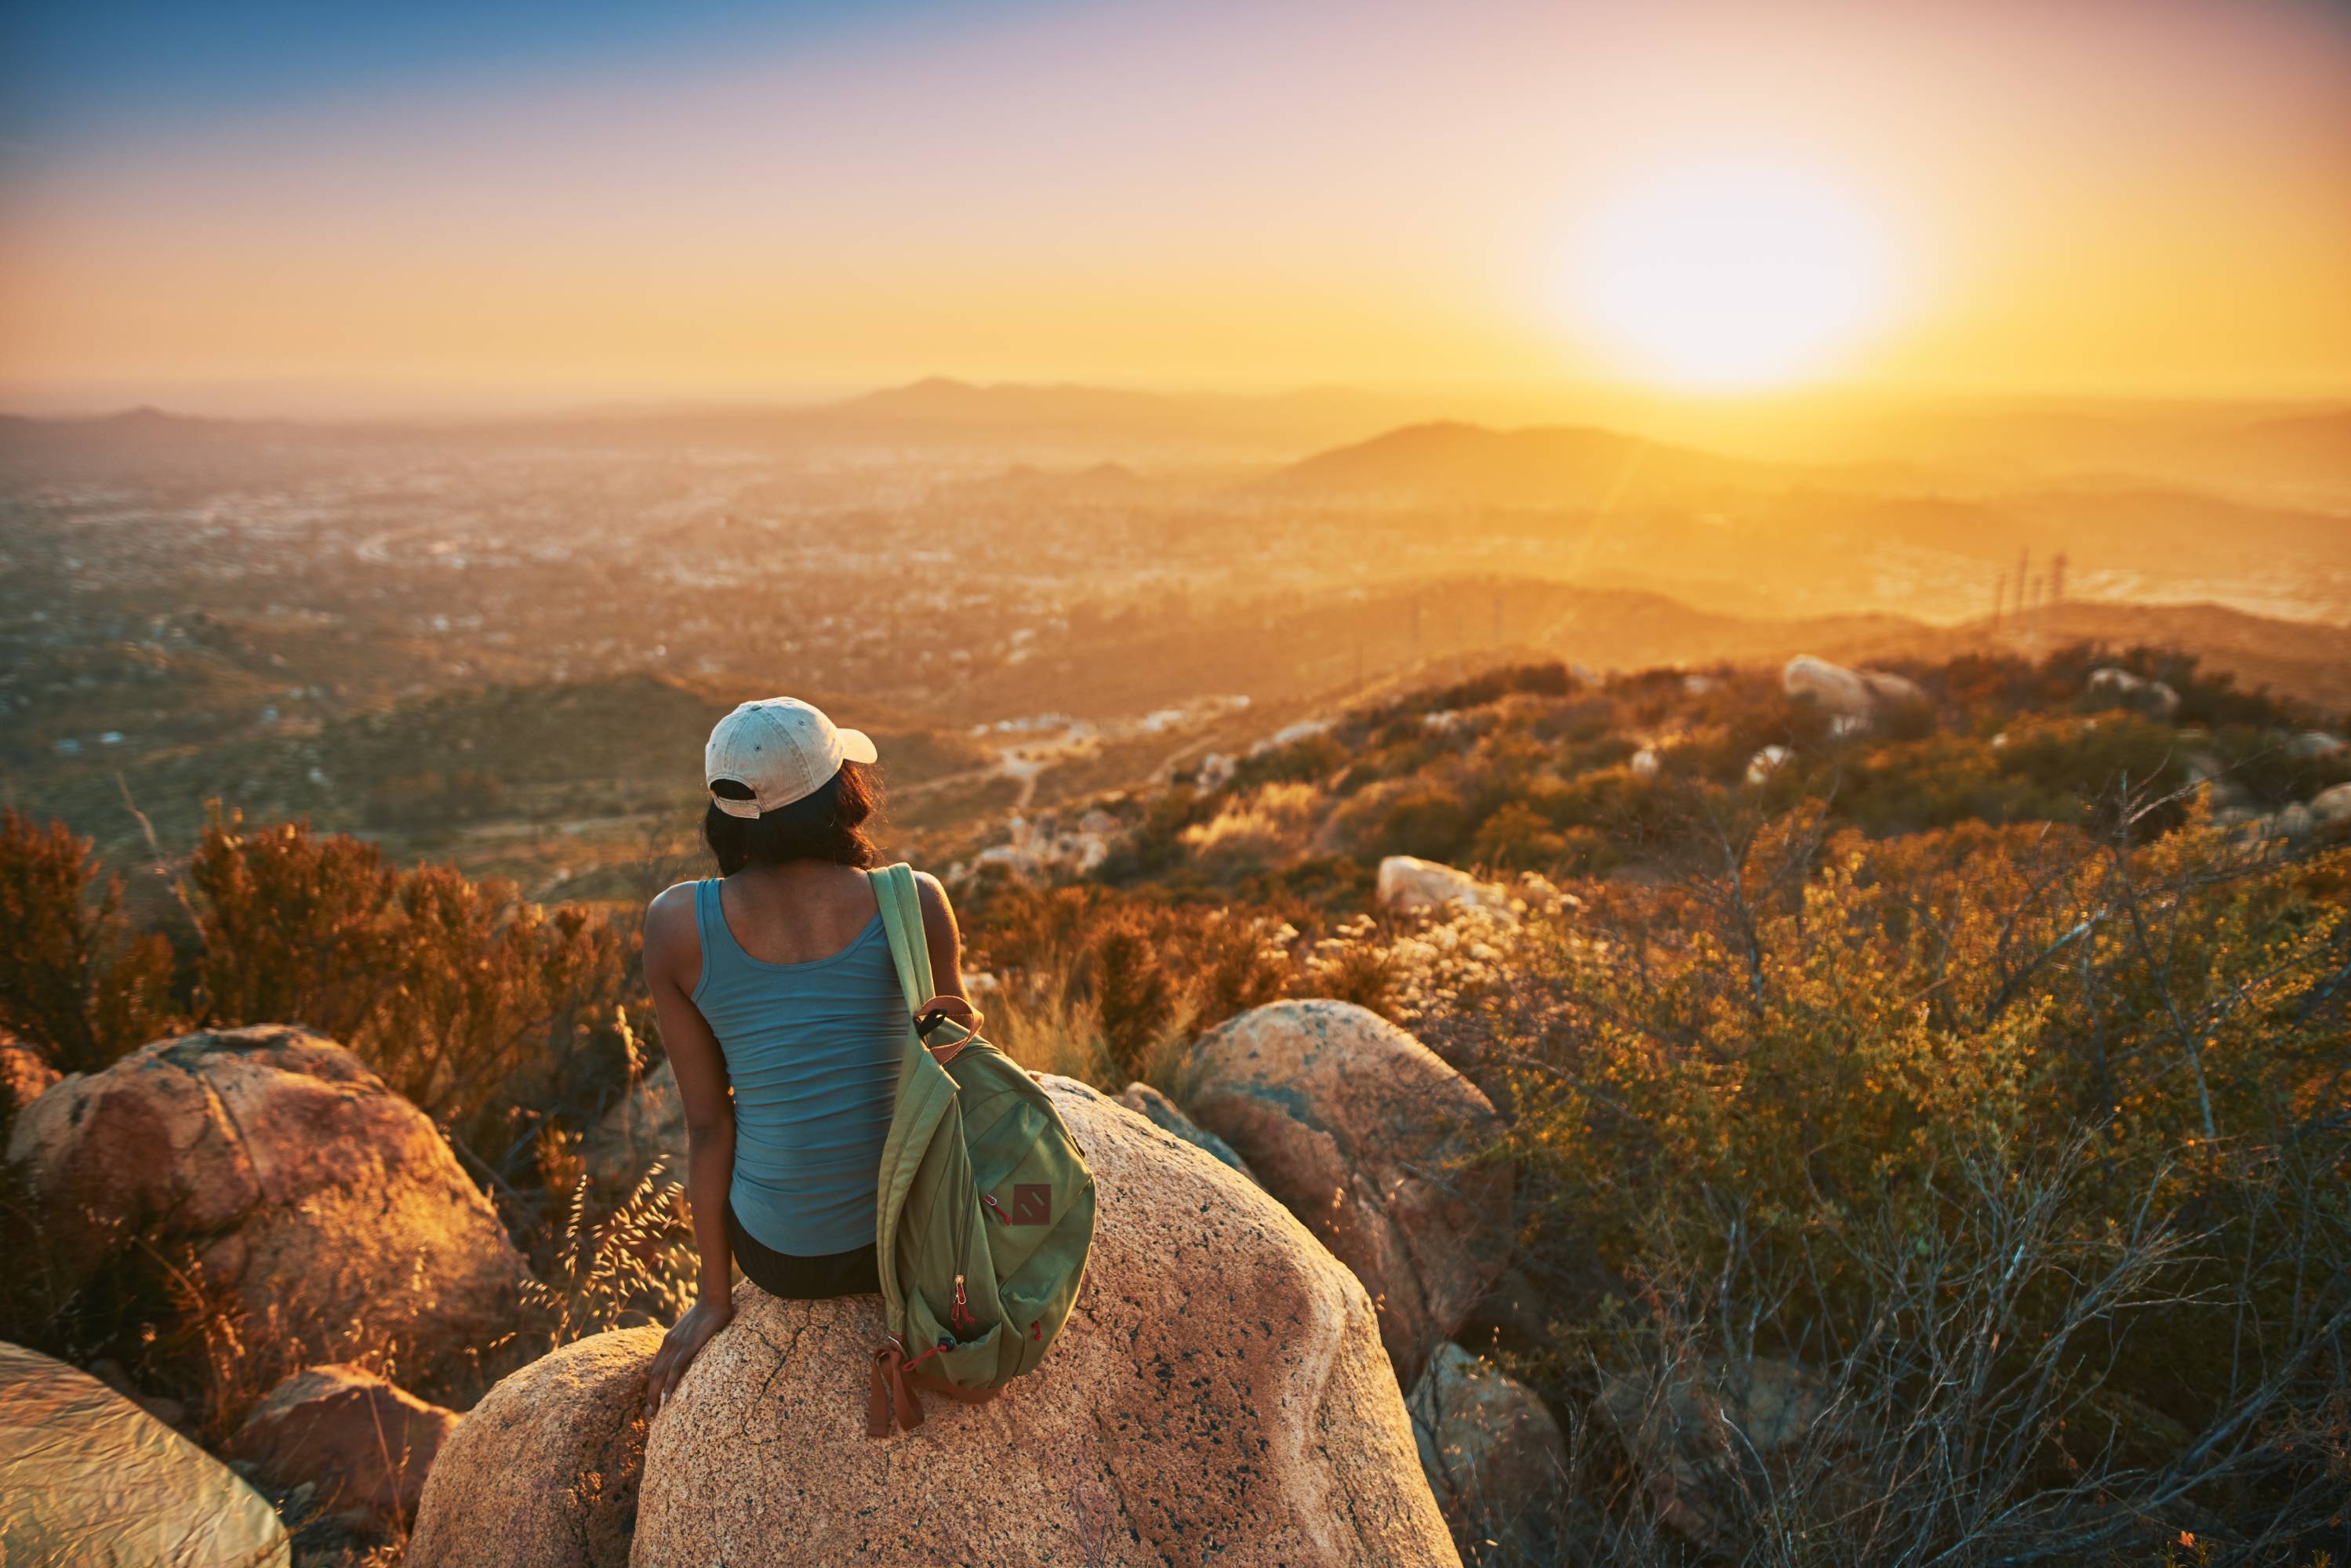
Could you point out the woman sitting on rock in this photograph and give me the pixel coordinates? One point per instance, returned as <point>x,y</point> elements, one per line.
<point>773,981</point>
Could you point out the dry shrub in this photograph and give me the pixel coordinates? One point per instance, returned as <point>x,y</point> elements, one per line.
<point>2030,1146</point>
<point>1109,989</point>
<point>80,982</point>
<point>447,986</point>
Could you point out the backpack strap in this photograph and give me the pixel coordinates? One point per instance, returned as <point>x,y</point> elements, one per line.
<point>902,920</point>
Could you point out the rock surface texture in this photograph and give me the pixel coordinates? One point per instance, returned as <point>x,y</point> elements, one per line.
<point>326,1206</point>
<point>91,1479</point>
<point>1488,1445</point>
<point>543,1472</point>
<point>365,1443</point>
<point>1368,1136</point>
<point>1161,1112</point>
<point>1219,1394</point>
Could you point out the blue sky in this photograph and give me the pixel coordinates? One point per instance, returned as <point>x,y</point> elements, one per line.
<point>82,71</point>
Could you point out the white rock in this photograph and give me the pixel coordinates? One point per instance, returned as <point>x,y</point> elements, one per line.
<point>2148,696</point>
<point>1408,885</point>
<point>1833,686</point>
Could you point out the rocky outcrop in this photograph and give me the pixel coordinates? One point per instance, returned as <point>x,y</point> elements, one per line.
<point>1161,1112</point>
<point>1488,1445</point>
<point>2332,805</point>
<point>1702,1433</point>
<point>1371,1139</point>
<point>543,1472</point>
<point>646,1126</point>
<point>363,1444</point>
<point>1219,1394</point>
<point>90,1477</point>
<point>323,1205</point>
<point>1409,885</point>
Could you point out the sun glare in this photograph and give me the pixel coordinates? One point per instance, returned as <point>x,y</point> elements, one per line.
<point>1730,277</point>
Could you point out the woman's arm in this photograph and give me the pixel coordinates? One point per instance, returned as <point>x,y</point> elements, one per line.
<point>673,966</point>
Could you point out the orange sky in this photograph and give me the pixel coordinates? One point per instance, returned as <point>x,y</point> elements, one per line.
<point>2138,196</point>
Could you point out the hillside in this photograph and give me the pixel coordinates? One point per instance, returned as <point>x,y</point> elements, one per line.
<point>1455,464</point>
<point>1535,769</point>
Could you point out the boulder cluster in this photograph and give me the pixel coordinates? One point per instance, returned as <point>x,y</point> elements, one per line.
<point>1258,1367</point>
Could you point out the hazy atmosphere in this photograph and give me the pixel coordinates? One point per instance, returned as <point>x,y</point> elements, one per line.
<point>1627,729</point>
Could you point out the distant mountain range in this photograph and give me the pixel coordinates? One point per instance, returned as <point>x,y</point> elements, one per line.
<point>1575,467</point>
<point>1340,442</point>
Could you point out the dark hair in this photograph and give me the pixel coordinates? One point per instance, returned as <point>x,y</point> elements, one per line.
<point>828,825</point>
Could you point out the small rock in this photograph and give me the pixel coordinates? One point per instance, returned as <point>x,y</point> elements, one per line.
<point>2153,697</point>
<point>365,1443</point>
<point>1161,1112</point>
<point>1409,885</point>
<point>1489,1449</point>
<point>1697,1431</point>
<point>646,1125</point>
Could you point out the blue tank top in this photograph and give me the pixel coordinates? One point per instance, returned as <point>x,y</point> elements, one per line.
<point>813,1050</point>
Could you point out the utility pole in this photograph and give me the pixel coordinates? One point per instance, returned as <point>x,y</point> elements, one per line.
<point>2057,577</point>
<point>1998,599</point>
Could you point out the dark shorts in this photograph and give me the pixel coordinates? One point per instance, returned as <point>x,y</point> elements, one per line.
<point>803,1279</point>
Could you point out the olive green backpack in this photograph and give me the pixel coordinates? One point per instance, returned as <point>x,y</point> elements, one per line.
<point>986,1205</point>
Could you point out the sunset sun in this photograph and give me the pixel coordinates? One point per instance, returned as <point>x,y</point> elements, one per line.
<point>1729,276</point>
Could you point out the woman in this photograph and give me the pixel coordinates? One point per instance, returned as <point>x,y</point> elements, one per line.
<point>783,1018</point>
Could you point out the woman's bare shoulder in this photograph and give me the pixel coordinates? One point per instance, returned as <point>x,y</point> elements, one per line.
<point>670,919</point>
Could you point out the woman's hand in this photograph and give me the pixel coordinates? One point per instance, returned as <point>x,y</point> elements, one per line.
<point>679,1347</point>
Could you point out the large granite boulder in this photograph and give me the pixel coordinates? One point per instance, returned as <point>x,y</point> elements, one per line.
<point>1219,1394</point>
<point>363,1443</point>
<point>324,1207</point>
<point>1489,1447</point>
<point>1373,1140</point>
<point>543,1472</point>
<point>86,1478</point>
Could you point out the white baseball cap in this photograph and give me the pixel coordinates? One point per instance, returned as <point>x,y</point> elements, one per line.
<point>781,749</point>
